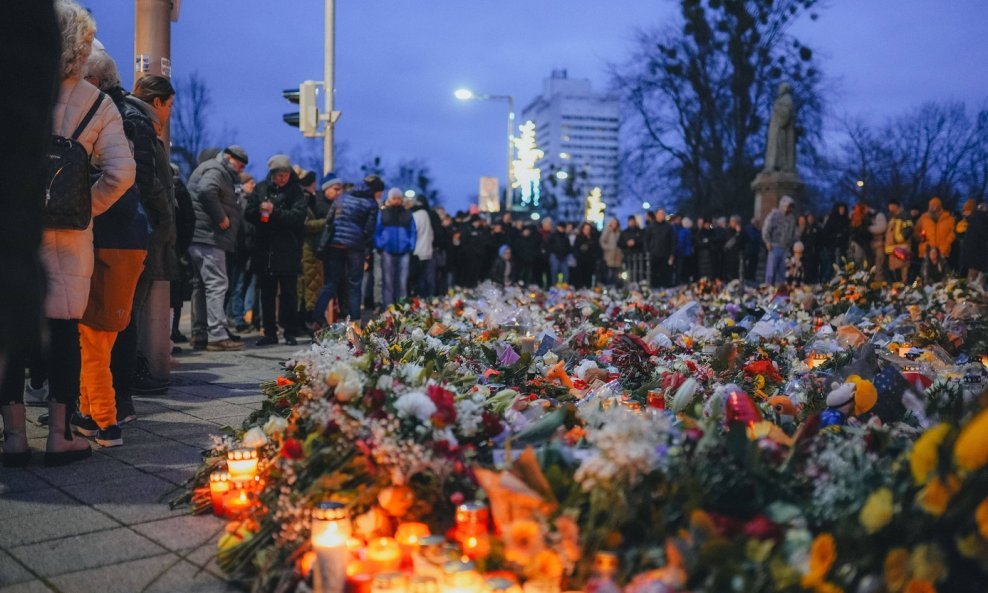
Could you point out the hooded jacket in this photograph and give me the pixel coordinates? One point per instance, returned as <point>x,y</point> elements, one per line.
<point>214,197</point>
<point>68,255</point>
<point>937,232</point>
<point>396,231</point>
<point>780,229</point>
<point>154,180</point>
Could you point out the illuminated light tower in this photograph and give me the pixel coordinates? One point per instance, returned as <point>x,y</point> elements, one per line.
<point>526,176</point>
<point>595,208</point>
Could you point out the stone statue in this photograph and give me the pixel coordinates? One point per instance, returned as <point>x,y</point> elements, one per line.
<point>780,151</point>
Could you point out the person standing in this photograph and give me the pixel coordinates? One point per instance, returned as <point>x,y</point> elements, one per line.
<point>877,226</point>
<point>732,268</point>
<point>975,245</point>
<point>276,209</point>
<point>936,229</point>
<point>660,244</point>
<point>752,250</point>
<point>310,280</point>
<point>395,238</point>
<point>83,112</point>
<point>354,217</point>
<point>613,256</point>
<point>423,265</point>
<point>779,234</point>
<point>213,186</point>
<point>145,114</point>
<point>810,238</point>
<point>898,234</point>
<point>836,240</point>
<point>559,251</point>
<point>586,251</point>
<point>120,241</point>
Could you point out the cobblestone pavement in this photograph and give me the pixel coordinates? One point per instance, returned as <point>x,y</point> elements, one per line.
<point>104,525</point>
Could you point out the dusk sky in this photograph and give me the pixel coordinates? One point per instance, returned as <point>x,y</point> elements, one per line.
<point>398,62</point>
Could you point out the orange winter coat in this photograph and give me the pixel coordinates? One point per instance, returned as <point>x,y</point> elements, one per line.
<point>937,233</point>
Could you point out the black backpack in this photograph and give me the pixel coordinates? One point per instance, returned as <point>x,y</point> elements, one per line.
<point>68,200</point>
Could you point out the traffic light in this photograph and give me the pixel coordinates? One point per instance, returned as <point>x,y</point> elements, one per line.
<point>306,119</point>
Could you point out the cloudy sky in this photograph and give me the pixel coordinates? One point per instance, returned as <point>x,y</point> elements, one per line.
<point>398,62</point>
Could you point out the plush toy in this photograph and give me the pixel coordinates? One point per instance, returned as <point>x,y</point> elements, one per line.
<point>856,396</point>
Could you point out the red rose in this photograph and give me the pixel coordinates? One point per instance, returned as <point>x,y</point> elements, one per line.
<point>764,368</point>
<point>445,414</point>
<point>283,381</point>
<point>761,527</point>
<point>456,498</point>
<point>292,449</point>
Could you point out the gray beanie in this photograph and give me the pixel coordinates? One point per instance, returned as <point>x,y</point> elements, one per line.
<point>331,182</point>
<point>279,161</point>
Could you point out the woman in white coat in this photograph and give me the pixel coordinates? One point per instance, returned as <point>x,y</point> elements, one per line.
<point>68,254</point>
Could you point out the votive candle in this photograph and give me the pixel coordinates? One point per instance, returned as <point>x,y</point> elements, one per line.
<point>383,554</point>
<point>219,485</point>
<point>242,463</point>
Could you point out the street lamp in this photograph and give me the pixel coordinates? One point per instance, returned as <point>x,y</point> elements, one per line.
<point>468,95</point>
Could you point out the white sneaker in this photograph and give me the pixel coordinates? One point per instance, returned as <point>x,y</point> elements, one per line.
<point>39,395</point>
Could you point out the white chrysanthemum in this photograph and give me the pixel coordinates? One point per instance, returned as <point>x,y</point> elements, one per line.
<point>469,414</point>
<point>275,424</point>
<point>415,404</point>
<point>385,382</point>
<point>412,373</point>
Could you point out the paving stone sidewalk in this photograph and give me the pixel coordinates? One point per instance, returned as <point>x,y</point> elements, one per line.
<point>104,525</point>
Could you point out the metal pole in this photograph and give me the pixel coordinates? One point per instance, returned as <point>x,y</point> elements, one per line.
<point>329,87</point>
<point>152,55</point>
<point>511,133</point>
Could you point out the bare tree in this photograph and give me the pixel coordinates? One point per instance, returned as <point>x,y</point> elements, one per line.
<point>932,150</point>
<point>190,123</point>
<point>698,96</point>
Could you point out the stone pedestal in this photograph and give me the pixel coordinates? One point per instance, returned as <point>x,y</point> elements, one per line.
<point>770,186</point>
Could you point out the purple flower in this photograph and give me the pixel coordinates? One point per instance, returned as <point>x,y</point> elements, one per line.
<point>507,357</point>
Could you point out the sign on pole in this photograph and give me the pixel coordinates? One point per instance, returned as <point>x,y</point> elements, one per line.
<point>489,196</point>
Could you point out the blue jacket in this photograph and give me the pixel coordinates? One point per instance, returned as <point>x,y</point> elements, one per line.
<point>395,232</point>
<point>354,217</point>
<point>684,242</point>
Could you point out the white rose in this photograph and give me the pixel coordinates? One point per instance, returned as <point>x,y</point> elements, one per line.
<point>275,424</point>
<point>254,438</point>
<point>415,404</point>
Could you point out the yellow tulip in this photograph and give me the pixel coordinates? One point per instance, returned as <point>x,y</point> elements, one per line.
<point>971,448</point>
<point>877,510</point>
<point>923,457</point>
<point>936,495</point>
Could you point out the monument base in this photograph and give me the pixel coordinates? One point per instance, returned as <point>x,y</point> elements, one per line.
<point>770,186</point>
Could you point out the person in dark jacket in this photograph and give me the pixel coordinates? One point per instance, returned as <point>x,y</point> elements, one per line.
<point>354,217</point>
<point>473,249</point>
<point>185,225</point>
<point>835,241</point>
<point>975,245</point>
<point>527,246</point>
<point>811,238</point>
<point>395,239</point>
<point>731,268</point>
<point>218,216</point>
<point>277,210</point>
<point>660,244</point>
<point>705,257</point>
<point>752,249</point>
<point>586,249</point>
<point>503,271</point>
<point>559,249</point>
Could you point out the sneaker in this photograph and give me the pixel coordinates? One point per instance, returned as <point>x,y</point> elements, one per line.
<point>83,425</point>
<point>267,341</point>
<point>224,345</point>
<point>36,394</point>
<point>232,336</point>
<point>111,436</point>
<point>148,385</point>
<point>179,338</point>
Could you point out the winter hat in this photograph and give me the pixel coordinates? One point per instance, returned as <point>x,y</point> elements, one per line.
<point>306,177</point>
<point>501,250</point>
<point>374,183</point>
<point>331,182</point>
<point>279,162</point>
<point>687,222</point>
<point>394,192</point>
<point>785,202</point>
<point>798,247</point>
<point>935,203</point>
<point>236,152</point>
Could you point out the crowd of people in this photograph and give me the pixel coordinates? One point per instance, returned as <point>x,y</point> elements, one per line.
<point>286,257</point>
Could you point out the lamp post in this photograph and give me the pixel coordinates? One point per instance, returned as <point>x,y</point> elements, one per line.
<point>468,95</point>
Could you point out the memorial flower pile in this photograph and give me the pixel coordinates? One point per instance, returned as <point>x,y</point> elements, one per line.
<point>712,438</point>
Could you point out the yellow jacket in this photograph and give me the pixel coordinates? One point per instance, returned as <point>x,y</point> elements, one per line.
<point>938,233</point>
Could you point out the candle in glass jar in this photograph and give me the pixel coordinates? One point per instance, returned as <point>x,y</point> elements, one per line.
<point>461,577</point>
<point>528,344</point>
<point>237,501</point>
<point>383,554</point>
<point>330,530</point>
<point>242,463</point>
<point>409,534</point>
<point>219,485</point>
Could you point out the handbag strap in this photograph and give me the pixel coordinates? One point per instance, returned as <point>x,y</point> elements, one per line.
<point>89,116</point>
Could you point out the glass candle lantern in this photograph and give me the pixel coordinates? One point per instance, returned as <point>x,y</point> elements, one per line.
<point>461,577</point>
<point>242,463</point>
<point>383,554</point>
<point>817,359</point>
<point>330,530</point>
<point>219,485</point>
<point>528,345</point>
<point>237,501</point>
<point>409,534</point>
<point>471,529</point>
